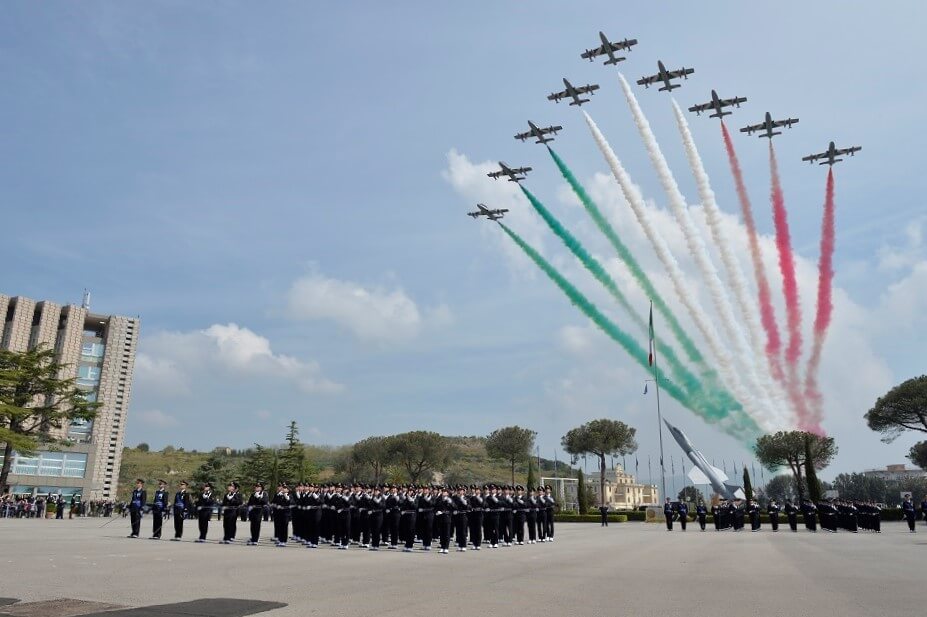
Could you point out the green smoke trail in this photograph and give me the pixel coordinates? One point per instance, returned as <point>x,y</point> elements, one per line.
<point>636,271</point>
<point>743,429</point>
<point>717,397</point>
<point>685,378</point>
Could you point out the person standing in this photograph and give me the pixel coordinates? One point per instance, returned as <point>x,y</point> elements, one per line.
<point>391,516</point>
<point>204,506</point>
<point>59,506</point>
<point>736,513</point>
<point>910,514</point>
<point>426,516</point>
<point>753,510</point>
<point>231,504</point>
<point>408,509</point>
<point>181,507</point>
<point>257,502</point>
<point>521,514</point>
<point>280,505</point>
<point>136,504</point>
<point>773,511</point>
<point>507,518</point>
<point>810,514</point>
<point>444,508</point>
<point>683,510</point>
<point>701,513</point>
<point>924,509</point>
<point>475,518</point>
<point>551,505</point>
<point>158,506</point>
<point>791,513</point>
<point>668,514</point>
<point>313,515</point>
<point>461,509</point>
<point>375,506</point>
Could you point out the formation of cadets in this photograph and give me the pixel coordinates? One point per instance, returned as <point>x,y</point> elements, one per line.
<point>831,515</point>
<point>370,517</point>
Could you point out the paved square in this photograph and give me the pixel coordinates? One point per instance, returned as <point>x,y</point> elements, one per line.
<point>627,569</point>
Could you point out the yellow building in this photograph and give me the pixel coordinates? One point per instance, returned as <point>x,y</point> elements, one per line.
<point>622,492</point>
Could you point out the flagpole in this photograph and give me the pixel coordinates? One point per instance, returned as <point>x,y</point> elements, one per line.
<point>656,382</point>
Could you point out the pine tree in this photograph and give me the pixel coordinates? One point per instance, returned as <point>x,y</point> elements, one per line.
<point>748,486</point>
<point>293,457</point>
<point>581,493</point>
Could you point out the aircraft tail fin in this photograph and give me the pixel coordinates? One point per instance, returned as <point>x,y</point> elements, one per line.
<point>695,474</point>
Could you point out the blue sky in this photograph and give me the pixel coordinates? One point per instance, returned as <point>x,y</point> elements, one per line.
<point>287,171</point>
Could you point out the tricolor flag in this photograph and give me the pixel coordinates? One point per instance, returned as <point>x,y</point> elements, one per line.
<point>650,356</point>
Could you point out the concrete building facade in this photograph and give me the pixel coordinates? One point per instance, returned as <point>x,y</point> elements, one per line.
<point>98,351</point>
<point>622,491</point>
<point>896,472</point>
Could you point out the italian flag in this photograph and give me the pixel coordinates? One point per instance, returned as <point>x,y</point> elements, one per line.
<point>650,355</point>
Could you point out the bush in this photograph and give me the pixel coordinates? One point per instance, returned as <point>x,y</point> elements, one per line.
<point>589,518</point>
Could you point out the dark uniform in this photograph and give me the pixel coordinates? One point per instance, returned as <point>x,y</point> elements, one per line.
<point>280,505</point>
<point>158,505</point>
<point>426,517</point>
<point>313,516</point>
<point>507,518</point>
<point>683,510</point>
<point>461,509</point>
<point>444,508</point>
<point>910,514</point>
<point>521,515</point>
<point>791,512</point>
<point>491,518</point>
<point>182,505</point>
<point>810,514</point>
<point>551,504</point>
<point>375,505</point>
<point>773,511</point>
<point>701,513</point>
<point>754,511</point>
<point>136,504</point>
<point>736,513</point>
<point>257,502</point>
<point>231,503</point>
<point>668,514</point>
<point>204,507</point>
<point>391,516</point>
<point>408,511</point>
<point>828,516</point>
<point>475,518</point>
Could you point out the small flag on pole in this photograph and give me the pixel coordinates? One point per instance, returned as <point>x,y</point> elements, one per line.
<point>645,387</point>
<point>650,356</point>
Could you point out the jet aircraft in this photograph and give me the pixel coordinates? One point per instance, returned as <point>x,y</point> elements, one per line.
<point>515,174</point>
<point>768,125</point>
<point>608,48</point>
<point>718,104</point>
<point>665,76</point>
<point>492,215</point>
<point>830,155</point>
<point>573,92</point>
<point>539,133</point>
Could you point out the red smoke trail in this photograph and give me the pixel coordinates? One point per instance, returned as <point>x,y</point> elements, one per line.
<point>767,313</point>
<point>825,305</point>
<point>786,265</point>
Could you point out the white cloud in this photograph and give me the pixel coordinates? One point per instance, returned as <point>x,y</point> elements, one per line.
<point>156,418</point>
<point>895,257</point>
<point>372,314</point>
<point>235,351</point>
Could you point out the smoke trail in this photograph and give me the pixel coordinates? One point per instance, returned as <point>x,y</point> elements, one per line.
<point>699,254</point>
<point>745,429</point>
<point>685,378</point>
<point>767,313</point>
<point>825,305</point>
<point>729,375</point>
<point>787,266</point>
<point>735,276</point>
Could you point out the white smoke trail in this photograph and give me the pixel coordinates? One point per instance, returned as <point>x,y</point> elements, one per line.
<point>727,372</point>
<point>699,251</point>
<point>735,275</point>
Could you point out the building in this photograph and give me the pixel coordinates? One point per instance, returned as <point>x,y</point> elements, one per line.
<point>99,352</point>
<point>621,490</point>
<point>896,472</point>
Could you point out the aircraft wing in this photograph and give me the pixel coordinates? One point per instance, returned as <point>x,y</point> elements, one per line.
<point>695,474</point>
<point>787,122</point>
<point>737,100</point>
<point>701,108</point>
<point>556,96</point>
<point>587,88</point>
<point>646,81</point>
<point>813,157</point>
<point>521,170</point>
<point>495,174</point>
<point>589,54</point>
<point>524,136</point>
<point>752,128</point>
<point>680,73</point>
<point>849,150</point>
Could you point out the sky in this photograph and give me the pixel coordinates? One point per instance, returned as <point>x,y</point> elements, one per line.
<point>279,194</point>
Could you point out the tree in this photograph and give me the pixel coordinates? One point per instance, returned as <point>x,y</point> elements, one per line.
<point>421,452</point>
<point>532,478</point>
<point>918,454</point>
<point>690,494</point>
<point>858,486</point>
<point>787,449</point>
<point>811,477</point>
<point>168,450</point>
<point>35,403</point>
<point>374,453</point>
<point>748,485</point>
<point>602,438</point>
<point>902,408</point>
<point>293,457</point>
<point>214,470</point>
<point>782,488</point>
<point>258,466</point>
<point>143,447</point>
<point>512,444</point>
<point>583,503</point>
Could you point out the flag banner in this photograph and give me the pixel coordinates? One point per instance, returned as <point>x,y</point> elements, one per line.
<point>650,346</point>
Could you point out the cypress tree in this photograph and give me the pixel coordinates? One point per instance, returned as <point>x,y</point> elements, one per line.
<point>581,493</point>
<point>811,476</point>
<point>532,478</point>
<point>748,486</point>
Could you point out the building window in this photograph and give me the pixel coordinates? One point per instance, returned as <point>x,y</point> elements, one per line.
<point>88,375</point>
<point>53,464</point>
<point>92,350</point>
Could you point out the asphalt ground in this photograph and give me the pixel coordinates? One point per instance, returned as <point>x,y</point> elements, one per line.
<point>625,569</point>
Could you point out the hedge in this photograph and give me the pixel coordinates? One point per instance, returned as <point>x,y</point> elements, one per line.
<point>888,514</point>
<point>589,518</point>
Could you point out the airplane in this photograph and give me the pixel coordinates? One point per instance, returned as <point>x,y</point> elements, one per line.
<point>665,76</point>
<point>704,472</point>
<point>515,174</point>
<point>768,125</point>
<point>717,104</point>
<point>831,154</point>
<point>609,49</point>
<point>492,215</point>
<point>573,93</point>
<point>539,133</point>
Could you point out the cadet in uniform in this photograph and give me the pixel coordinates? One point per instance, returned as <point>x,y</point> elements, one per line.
<point>204,507</point>
<point>257,502</point>
<point>182,505</point>
<point>313,513</point>
<point>754,509</point>
<point>668,514</point>
<point>158,505</point>
<point>461,508</point>
<point>521,514</point>
<point>810,514</point>
<point>773,511</point>
<point>507,519</point>
<point>924,509</point>
<point>491,517</point>
<point>408,510</point>
<point>375,505</point>
<point>137,503</point>
<point>701,512</point>
<point>683,510</point>
<point>551,504</point>
<point>230,506</point>
<point>444,508</point>
<point>791,512</point>
<point>910,514</point>
<point>281,510</point>
<point>426,517</point>
<point>475,518</point>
